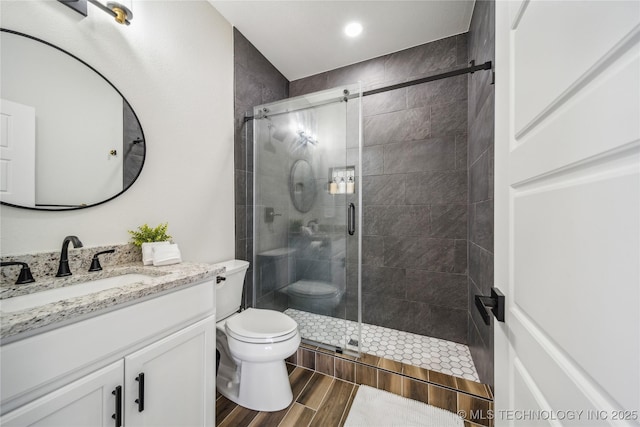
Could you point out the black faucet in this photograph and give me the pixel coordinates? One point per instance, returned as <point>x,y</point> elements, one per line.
<point>25,273</point>
<point>95,262</point>
<point>63,268</point>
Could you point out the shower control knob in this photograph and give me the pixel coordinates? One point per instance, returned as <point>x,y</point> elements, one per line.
<point>269,214</point>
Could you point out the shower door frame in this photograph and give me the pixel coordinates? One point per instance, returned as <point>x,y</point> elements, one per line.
<point>353,92</point>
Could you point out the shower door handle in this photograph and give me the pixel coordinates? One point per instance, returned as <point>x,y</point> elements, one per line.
<point>351,219</point>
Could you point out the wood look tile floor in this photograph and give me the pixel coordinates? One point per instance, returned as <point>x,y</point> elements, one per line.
<point>325,387</point>
<point>318,400</point>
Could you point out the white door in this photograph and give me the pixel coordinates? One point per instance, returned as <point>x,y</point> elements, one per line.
<point>89,401</point>
<point>178,374</point>
<point>17,153</point>
<point>567,202</point>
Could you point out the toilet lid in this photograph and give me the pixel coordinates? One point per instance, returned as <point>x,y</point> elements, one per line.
<point>312,289</point>
<point>255,324</point>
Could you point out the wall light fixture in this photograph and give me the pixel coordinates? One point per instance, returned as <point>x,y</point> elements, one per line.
<point>118,10</point>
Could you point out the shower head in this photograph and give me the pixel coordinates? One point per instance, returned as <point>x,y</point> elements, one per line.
<point>305,139</point>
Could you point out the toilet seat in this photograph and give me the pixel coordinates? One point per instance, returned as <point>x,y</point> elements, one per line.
<point>312,289</point>
<point>261,326</point>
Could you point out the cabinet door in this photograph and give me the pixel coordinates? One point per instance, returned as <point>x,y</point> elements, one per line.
<point>178,380</point>
<point>88,401</point>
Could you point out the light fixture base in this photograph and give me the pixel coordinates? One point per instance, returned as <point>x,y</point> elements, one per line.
<point>79,6</point>
<point>123,13</point>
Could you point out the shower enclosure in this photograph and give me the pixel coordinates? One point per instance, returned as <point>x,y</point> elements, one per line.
<point>307,207</point>
<point>425,190</point>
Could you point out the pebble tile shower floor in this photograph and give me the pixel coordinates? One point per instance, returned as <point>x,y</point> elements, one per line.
<point>426,352</point>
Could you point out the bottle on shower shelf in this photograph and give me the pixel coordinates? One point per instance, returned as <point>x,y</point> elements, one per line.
<point>333,186</point>
<point>351,186</point>
<point>342,186</point>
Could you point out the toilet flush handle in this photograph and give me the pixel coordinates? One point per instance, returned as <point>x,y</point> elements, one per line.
<point>220,279</point>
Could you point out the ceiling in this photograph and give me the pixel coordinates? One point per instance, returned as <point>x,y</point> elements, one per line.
<point>305,37</point>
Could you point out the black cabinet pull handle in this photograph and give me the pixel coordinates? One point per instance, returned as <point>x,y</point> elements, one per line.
<point>118,415</point>
<point>351,223</point>
<point>140,399</point>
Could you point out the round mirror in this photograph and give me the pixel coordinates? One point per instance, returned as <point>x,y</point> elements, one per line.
<point>302,186</point>
<point>69,138</point>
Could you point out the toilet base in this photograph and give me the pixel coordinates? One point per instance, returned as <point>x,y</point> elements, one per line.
<point>251,391</point>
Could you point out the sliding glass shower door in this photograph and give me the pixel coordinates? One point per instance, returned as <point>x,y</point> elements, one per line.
<point>307,183</point>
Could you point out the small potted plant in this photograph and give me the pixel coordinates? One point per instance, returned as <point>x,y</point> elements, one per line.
<point>147,237</point>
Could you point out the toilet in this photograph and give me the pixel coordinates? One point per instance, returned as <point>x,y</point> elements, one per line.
<point>253,345</point>
<point>314,296</point>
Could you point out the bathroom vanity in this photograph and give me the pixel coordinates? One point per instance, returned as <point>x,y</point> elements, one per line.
<point>131,355</point>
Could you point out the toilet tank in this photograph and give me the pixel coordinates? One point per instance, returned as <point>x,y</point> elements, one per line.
<point>229,291</point>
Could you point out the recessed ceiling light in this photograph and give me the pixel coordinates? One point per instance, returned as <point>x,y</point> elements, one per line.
<point>353,29</point>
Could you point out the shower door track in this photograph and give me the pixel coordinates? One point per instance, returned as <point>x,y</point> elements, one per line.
<point>468,70</point>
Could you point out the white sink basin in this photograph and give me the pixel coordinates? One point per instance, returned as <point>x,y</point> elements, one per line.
<point>37,299</point>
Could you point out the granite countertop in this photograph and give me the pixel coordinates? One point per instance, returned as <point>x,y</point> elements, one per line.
<point>163,279</point>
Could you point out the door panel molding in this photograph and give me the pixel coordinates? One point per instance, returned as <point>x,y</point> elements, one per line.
<point>564,383</point>
<point>554,63</point>
<point>595,108</point>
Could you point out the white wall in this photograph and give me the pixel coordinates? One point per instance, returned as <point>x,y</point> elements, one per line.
<point>174,65</point>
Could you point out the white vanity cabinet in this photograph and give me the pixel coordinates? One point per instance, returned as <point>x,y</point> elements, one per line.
<point>69,376</point>
<point>177,380</point>
<point>85,402</point>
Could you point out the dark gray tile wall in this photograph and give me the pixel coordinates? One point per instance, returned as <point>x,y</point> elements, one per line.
<point>256,82</point>
<point>415,193</point>
<point>480,159</point>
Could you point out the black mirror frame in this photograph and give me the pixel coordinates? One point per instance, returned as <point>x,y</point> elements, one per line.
<point>144,140</point>
<point>300,208</point>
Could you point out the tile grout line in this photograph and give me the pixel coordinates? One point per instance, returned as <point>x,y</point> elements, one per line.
<point>294,401</point>
<point>218,422</point>
<point>285,415</point>
<point>295,398</point>
<point>309,407</point>
<point>325,393</point>
<point>344,416</point>
<point>312,418</point>
<point>229,414</point>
